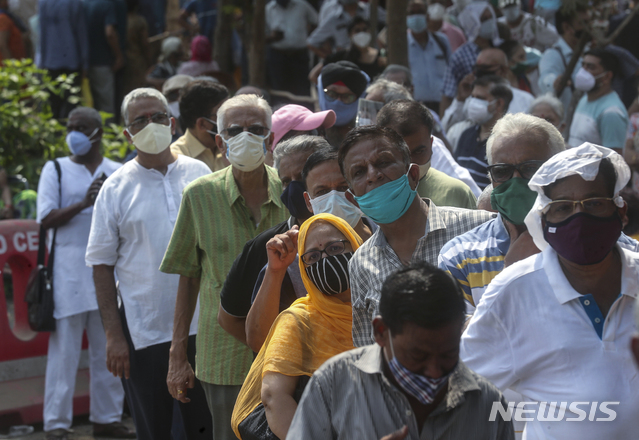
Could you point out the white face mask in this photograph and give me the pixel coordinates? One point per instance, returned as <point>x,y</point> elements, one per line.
<point>512,13</point>
<point>423,170</point>
<point>585,81</point>
<point>436,11</point>
<point>246,151</point>
<point>478,110</point>
<point>361,39</point>
<point>175,109</point>
<point>335,203</point>
<point>153,139</point>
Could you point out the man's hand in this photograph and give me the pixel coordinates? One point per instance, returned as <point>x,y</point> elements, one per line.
<point>521,247</point>
<point>117,351</point>
<point>465,87</point>
<point>397,435</point>
<point>180,378</point>
<point>92,192</point>
<point>282,250</point>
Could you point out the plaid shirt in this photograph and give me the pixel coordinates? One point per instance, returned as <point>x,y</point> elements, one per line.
<point>460,65</point>
<point>375,260</point>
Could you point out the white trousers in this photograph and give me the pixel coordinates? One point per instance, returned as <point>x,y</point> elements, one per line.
<point>107,394</point>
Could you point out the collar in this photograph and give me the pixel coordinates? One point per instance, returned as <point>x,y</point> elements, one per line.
<point>499,231</point>
<point>434,222</point>
<point>563,46</point>
<point>413,41</point>
<point>274,186</point>
<point>564,292</point>
<point>460,382</point>
<point>193,145</point>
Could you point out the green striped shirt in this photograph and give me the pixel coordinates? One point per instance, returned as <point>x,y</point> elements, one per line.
<point>212,226</point>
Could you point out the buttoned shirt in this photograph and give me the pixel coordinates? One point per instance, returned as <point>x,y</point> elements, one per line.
<point>534,333</point>
<point>293,21</point>
<point>349,397</point>
<point>428,65</point>
<point>73,288</point>
<point>213,225</point>
<point>334,24</point>
<point>190,146</point>
<point>134,215</point>
<point>375,260</point>
<point>460,65</point>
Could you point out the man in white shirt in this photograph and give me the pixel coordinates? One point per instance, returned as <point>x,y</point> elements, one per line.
<point>530,30</point>
<point>65,202</point>
<point>135,214</point>
<point>556,327</point>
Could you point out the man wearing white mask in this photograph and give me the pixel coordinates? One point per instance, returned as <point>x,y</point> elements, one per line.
<point>218,215</point>
<point>134,217</point>
<point>530,30</point>
<point>65,202</point>
<point>600,116</point>
<point>428,55</point>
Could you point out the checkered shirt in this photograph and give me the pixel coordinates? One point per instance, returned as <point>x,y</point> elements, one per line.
<point>375,260</point>
<point>460,65</point>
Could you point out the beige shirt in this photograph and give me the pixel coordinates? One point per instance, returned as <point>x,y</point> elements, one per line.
<point>188,145</point>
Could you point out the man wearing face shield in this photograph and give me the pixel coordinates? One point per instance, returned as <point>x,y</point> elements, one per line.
<point>134,217</point>
<point>376,163</point>
<point>218,215</point>
<point>199,104</point>
<point>65,203</point>
<point>530,30</point>
<point>557,326</point>
<point>600,116</point>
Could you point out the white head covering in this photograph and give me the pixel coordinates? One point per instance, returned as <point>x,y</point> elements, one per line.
<point>470,20</point>
<point>169,46</point>
<point>584,161</point>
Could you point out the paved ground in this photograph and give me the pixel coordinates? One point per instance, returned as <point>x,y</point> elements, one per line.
<point>82,430</point>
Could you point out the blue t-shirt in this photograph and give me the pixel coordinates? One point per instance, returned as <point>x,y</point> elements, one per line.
<point>99,15</point>
<point>471,154</point>
<point>206,12</point>
<point>603,121</point>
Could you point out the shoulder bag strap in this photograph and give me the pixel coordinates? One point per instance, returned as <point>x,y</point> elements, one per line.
<point>55,231</point>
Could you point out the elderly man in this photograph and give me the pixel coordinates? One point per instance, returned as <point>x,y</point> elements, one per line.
<point>411,383</point>
<point>413,121</point>
<point>134,216</point>
<point>200,101</point>
<point>549,108</point>
<point>518,146</point>
<point>66,193</point>
<point>574,368</point>
<point>376,163</point>
<point>245,200</point>
<point>399,74</point>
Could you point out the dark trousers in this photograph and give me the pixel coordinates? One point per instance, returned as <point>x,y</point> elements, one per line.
<point>288,70</point>
<point>60,106</point>
<point>148,397</point>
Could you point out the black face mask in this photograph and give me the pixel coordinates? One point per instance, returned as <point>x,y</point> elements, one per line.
<point>293,199</point>
<point>330,274</point>
<point>283,3</point>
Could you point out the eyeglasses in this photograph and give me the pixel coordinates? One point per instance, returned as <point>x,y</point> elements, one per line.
<point>346,98</point>
<point>257,130</point>
<point>502,172</point>
<point>139,123</point>
<point>559,210</point>
<point>331,249</point>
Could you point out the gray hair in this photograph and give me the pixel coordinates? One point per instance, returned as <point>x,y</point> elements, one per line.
<point>88,112</point>
<point>299,144</point>
<point>483,201</point>
<point>395,68</point>
<point>143,92</point>
<point>521,124</point>
<point>550,100</point>
<point>239,101</point>
<point>390,90</point>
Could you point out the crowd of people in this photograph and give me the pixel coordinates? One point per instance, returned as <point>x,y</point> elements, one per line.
<point>359,267</point>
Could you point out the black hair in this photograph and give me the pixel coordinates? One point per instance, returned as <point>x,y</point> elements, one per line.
<point>199,97</point>
<point>606,170</point>
<point>355,21</point>
<point>320,156</point>
<point>566,14</point>
<point>405,116</point>
<point>509,47</point>
<point>632,201</point>
<point>608,60</point>
<point>364,132</point>
<point>421,294</point>
<point>498,87</point>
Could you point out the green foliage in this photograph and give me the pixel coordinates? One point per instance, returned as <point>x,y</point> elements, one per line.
<point>29,135</point>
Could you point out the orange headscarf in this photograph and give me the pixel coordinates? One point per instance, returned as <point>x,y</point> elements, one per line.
<point>304,336</point>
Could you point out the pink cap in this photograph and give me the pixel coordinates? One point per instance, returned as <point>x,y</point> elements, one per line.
<point>296,117</point>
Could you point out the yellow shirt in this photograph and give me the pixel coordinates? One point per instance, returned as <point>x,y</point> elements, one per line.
<point>188,145</point>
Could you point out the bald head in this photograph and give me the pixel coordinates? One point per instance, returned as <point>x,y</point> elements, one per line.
<point>492,61</point>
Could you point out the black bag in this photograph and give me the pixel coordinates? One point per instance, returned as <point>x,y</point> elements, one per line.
<point>39,294</point>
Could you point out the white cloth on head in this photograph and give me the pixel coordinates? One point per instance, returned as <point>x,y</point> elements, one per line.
<point>470,21</point>
<point>582,161</point>
<point>169,46</point>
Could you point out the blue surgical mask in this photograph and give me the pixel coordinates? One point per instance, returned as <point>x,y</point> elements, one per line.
<point>344,113</point>
<point>422,388</point>
<point>79,143</point>
<point>416,23</point>
<point>387,203</point>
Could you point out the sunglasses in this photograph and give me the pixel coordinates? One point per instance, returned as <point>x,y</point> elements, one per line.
<point>502,172</point>
<point>346,98</point>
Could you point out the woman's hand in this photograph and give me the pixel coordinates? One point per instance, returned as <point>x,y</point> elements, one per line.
<point>282,250</point>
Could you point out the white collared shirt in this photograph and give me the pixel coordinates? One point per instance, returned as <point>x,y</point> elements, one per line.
<point>73,289</point>
<point>535,334</point>
<point>133,221</point>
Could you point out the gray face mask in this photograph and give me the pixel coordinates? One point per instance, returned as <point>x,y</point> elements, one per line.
<point>487,29</point>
